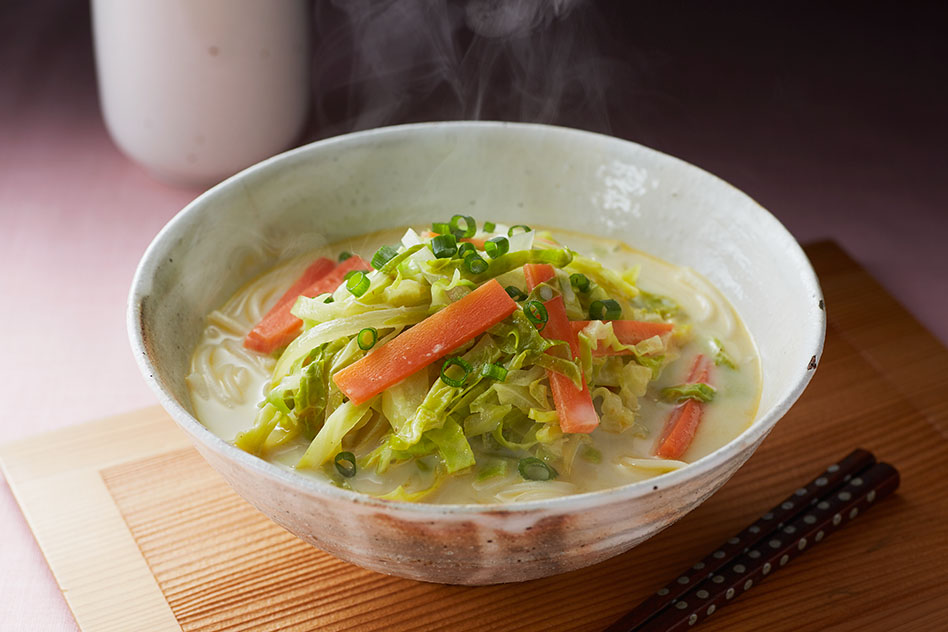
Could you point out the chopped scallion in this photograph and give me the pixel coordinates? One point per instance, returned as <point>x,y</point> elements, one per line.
<point>367,338</point>
<point>535,312</point>
<point>345,463</point>
<point>330,299</point>
<point>605,310</point>
<point>444,246</point>
<point>515,293</point>
<point>513,229</point>
<point>440,228</point>
<point>533,469</point>
<point>470,226</point>
<point>579,282</point>
<point>494,371</point>
<point>474,263</point>
<point>465,248</point>
<point>382,256</point>
<point>455,361</point>
<point>344,255</point>
<point>489,227</point>
<point>496,246</point>
<point>357,283</point>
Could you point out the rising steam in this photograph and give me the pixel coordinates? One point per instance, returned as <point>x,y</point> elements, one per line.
<point>381,62</point>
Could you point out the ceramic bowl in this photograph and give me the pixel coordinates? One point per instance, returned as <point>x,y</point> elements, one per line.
<point>534,174</point>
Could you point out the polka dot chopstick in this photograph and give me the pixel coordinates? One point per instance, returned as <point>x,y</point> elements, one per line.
<point>811,513</point>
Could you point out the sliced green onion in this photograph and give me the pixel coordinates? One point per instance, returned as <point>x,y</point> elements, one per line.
<point>465,248</point>
<point>344,255</point>
<point>494,371</point>
<point>441,228</point>
<point>605,310</point>
<point>489,227</point>
<point>455,361</point>
<point>526,229</point>
<point>444,246</point>
<point>536,314</point>
<point>382,256</point>
<point>345,463</point>
<point>470,226</point>
<point>579,282</point>
<point>475,264</point>
<point>515,293</point>
<point>367,338</point>
<point>496,246</point>
<point>533,469</point>
<point>329,300</point>
<point>357,283</point>
<point>350,274</point>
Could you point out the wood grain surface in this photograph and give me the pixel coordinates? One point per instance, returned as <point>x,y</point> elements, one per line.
<point>142,535</point>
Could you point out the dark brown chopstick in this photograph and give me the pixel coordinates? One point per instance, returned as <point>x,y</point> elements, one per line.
<point>826,483</point>
<point>751,567</point>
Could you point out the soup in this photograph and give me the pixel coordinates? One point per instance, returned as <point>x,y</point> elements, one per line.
<point>476,364</point>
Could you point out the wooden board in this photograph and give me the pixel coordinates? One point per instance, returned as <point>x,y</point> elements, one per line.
<point>142,535</point>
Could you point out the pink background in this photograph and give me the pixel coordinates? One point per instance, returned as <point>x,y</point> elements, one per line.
<point>848,146</point>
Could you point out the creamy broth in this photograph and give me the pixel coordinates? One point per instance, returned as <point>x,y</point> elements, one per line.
<point>227,381</point>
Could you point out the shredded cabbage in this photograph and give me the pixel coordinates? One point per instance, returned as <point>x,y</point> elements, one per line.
<point>502,410</point>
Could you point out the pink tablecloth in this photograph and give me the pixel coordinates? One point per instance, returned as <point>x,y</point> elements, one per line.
<point>75,217</point>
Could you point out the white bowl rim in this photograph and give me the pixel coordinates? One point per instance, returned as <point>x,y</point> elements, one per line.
<point>815,330</point>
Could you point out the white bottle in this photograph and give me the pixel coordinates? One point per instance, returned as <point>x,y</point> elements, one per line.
<point>195,90</point>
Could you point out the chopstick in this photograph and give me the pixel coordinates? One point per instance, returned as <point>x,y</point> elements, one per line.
<point>806,517</point>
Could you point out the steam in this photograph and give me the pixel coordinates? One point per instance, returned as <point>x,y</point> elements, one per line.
<point>380,62</point>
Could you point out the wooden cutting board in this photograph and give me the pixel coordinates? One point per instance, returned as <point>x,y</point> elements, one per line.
<point>141,534</point>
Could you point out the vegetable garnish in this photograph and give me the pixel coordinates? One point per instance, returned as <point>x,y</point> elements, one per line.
<point>278,327</point>
<point>358,283</point>
<point>537,313</point>
<point>444,246</point>
<point>513,229</point>
<point>533,469</point>
<point>470,226</point>
<point>605,310</point>
<point>579,281</point>
<point>455,361</point>
<point>515,293</point>
<point>382,256</point>
<point>345,463</point>
<point>496,246</point>
<point>489,227</point>
<point>367,338</point>
<point>344,255</point>
<point>683,422</point>
<point>426,342</point>
<point>574,405</point>
<point>475,264</point>
<point>440,228</point>
<point>464,248</point>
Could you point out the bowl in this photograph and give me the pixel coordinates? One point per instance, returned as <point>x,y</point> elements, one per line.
<point>412,174</point>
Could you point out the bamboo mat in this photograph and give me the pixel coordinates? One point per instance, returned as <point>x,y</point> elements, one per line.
<point>142,535</point>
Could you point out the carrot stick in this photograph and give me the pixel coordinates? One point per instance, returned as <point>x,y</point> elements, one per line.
<point>426,342</point>
<point>278,327</point>
<point>574,406</point>
<point>680,428</point>
<point>629,332</point>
